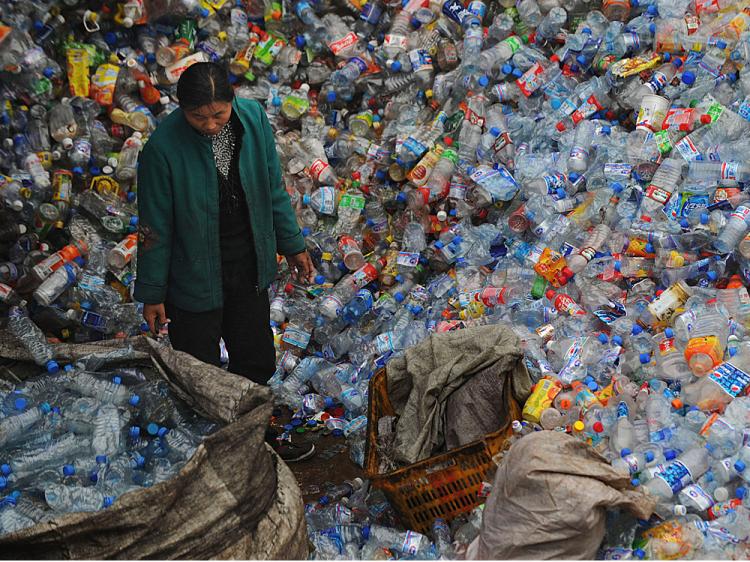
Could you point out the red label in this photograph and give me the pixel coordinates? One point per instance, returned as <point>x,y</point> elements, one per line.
<point>344,43</point>
<point>317,168</point>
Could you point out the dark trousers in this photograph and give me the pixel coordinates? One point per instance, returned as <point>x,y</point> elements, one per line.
<point>243,322</point>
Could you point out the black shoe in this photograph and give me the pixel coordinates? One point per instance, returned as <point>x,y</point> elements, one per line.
<point>290,452</point>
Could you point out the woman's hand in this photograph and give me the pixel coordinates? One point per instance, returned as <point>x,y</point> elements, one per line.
<point>301,267</point>
<point>155,316</point>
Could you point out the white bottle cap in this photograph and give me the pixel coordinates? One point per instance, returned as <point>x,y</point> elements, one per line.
<point>680,510</point>
<point>67,143</point>
<point>17,206</point>
<point>138,134</point>
<point>107,170</point>
<point>8,142</point>
<point>56,155</point>
<point>22,228</point>
<point>164,100</point>
<point>112,161</point>
<point>127,22</point>
<point>442,216</point>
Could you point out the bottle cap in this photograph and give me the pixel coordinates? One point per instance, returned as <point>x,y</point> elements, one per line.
<point>624,452</point>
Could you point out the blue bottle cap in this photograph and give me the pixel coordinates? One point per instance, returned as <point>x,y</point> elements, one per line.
<point>669,332</point>
<point>625,452</point>
<point>593,387</point>
<point>134,400</point>
<point>399,297</point>
<point>48,72</point>
<point>650,248</point>
<point>649,455</point>
<point>19,404</point>
<point>300,41</point>
<point>306,231</point>
<point>645,358</point>
<point>319,279</point>
<point>483,81</point>
<point>637,329</point>
<point>69,470</point>
<point>517,72</point>
<point>396,66</point>
<point>740,466</point>
<point>134,432</point>
<point>108,501</point>
<point>639,553</point>
<point>52,366</point>
<point>133,221</point>
<point>152,428</point>
<point>3,482</point>
<point>721,44</point>
<point>603,338</point>
<point>670,454</point>
<point>617,340</point>
<point>677,62</point>
<point>329,402</point>
<point>131,196</point>
<point>45,407</point>
<point>101,459</point>
<point>561,193</point>
<point>684,223</point>
<point>273,78</point>
<point>331,96</point>
<point>635,482</point>
<point>555,103</point>
<point>740,492</point>
<point>688,77</point>
<point>506,68</point>
<point>494,131</point>
<point>574,177</point>
<point>162,431</point>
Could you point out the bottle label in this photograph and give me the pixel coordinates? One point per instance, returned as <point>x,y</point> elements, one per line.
<point>502,140</point>
<point>587,109</point>
<point>364,275</point>
<point>730,379</point>
<point>623,411</point>
<point>687,149</point>
<point>344,43</point>
<point>415,147</point>
<point>579,153</point>
<point>420,60</point>
<point>632,462</point>
<point>408,259</point>
<point>352,201</point>
<point>317,168</point>
<point>384,343</point>
<point>378,154</point>
<point>393,40</point>
<point>457,191</point>
<point>744,110</point>
<point>741,213</point>
<point>296,337</point>
<point>328,199</point>
<point>411,543</point>
<point>729,170</point>
<point>361,64</point>
<point>5,292</point>
<point>514,42</point>
<point>699,496</point>
<point>657,194</point>
<point>531,80</point>
<point>676,475</point>
<point>618,170</point>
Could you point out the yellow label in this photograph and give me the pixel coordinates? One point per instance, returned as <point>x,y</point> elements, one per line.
<point>541,399</point>
<point>78,72</point>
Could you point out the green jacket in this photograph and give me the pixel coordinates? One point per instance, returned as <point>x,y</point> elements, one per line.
<point>178,208</point>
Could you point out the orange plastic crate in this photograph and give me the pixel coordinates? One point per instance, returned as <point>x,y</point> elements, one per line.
<point>445,485</point>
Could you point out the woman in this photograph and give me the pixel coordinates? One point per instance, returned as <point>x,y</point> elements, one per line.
<point>213,215</point>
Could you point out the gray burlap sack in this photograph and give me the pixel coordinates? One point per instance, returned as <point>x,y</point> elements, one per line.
<point>549,499</point>
<point>222,504</point>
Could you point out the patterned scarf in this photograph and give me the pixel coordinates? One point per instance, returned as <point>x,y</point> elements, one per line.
<point>223,146</point>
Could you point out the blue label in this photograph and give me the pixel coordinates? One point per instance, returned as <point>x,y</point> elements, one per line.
<point>622,409</point>
<point>676,475</point>
<point>730,379</point>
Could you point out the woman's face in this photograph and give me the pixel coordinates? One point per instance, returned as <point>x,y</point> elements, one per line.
<point>209,119</point>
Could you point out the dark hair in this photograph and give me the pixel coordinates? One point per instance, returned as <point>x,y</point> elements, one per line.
<point>203,83</point>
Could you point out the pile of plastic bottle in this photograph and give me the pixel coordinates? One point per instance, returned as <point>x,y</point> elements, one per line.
<point>353,521</point>
<point>77,440</point>
<point>575,168</point>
